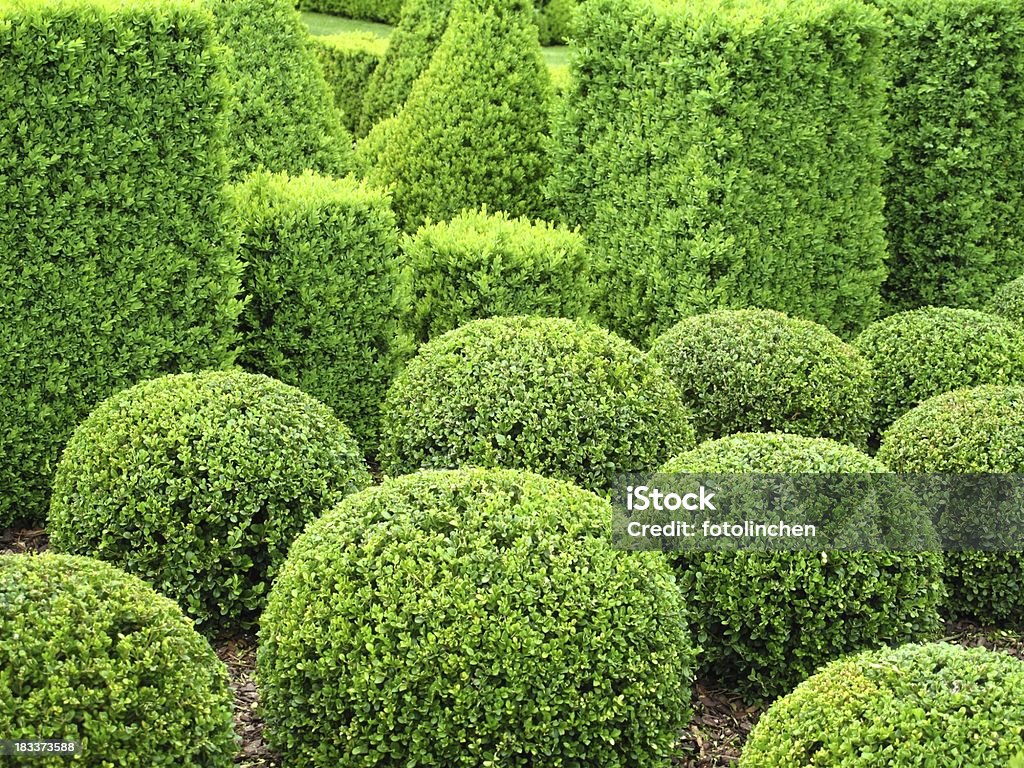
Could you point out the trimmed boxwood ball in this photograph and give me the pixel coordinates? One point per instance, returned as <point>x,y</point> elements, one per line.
<point>934,704</point>
<point>1008,301</point>
<point>974,430</point>
<point>755,370</point>
<point>765,621</point>
<point>473,617</point>
<point>924,352</point>
<point>555,396</point>
<point>199,483</point>
<point>94,655</point>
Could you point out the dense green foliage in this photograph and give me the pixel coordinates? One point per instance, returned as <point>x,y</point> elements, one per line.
<point>1008,300</point>
<point>481,265</point>
<point>976,430</point>
<point>760,371</point>
<point>284,117</point>
<point>921,353</point>
<point>934,704</point>
<point>468,618</point>
<point>93,655</point>
<point>199,483</point>
<point>388,11</point>
<point>722,154</point>
<point>555,396</point>
<point>348,62</point>
<point>115,260</point>
<point>555,20</point>
<point>321,272</point>
<point>767,620</point>
<point>954,186</point>
<point>474,128</point>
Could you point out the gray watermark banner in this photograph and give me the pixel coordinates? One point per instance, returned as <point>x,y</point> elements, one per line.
<point>818,512</point>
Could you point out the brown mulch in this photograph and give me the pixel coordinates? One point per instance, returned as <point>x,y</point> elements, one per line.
<point>720,725</point>
<point>240,657</point>
<point>20,541</point>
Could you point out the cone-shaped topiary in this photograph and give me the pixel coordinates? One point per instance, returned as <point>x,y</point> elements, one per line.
<point>766,621</point>
<point>470,618</point>
<point>474,129</point>
<point>93,655</point>
<point>1008,301</point>
<point>935,704</point>
<point>284,116</point>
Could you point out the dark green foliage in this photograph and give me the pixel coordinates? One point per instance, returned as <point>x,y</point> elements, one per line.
<point>284,116</point>
<point>1008,301</point>
<point>387,11</point>
<point>936,704</point>
<point>555,20</point>
<point>765,621</point>
<point>727,154</point>
<point>469,618</point>
<point>974,430</point>
<point>760,371</point>
<point>199,483</point>
<point>348,62</point>
<point>559,397</point>
<point>473,130</point>
<point>481,265</point>
<point>115,260</point>
<point>925,352</point>
<point>954,185</point>
<point>321,273</point>
<point>93,655</point>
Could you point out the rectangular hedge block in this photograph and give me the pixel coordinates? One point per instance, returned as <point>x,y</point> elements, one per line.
<point>727,154</point>
<point>348,61</point>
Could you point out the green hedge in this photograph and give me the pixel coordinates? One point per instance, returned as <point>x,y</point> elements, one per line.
<point>387,11</point>
<point>115,259</point>
<point>481,265</point>
<point>284,117</point>
<point>199,483</point>
<point>722,154</point>
<point>1008,301</point>
<point>348,61</point>
<point>559,397</point>
<point>954,185</point>
<point>766,621</point>
<point>93,655</point>
<point>470,618</point>
<point>938,705</point>
<point>754,370</point>
<point>321,274</point>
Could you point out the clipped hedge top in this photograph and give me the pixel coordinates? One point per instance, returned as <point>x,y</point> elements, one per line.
<point>772,453</point>
<point>265,194</point>
<point>354,41</point>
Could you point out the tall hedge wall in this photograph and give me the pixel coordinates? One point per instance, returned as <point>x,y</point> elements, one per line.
<point>955,182</point>
<point>115,261</point>
<point>727,154</point>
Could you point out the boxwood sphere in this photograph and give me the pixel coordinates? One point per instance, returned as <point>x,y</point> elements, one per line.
<point>971,430</point>
<point>754,370</point>
<point>767,620</point>
<point>1008,301</point>
<point>934,704</point>
<point>473,617</point>
<point>94,655</point>
<point>199,483</point>
<point>922,353</point>
<point>555,396</point>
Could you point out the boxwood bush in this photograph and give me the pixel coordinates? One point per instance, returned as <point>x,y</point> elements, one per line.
<point>1008,300</point>
<point>921,353</point>
<point>933,704</point>
<point>480,265</point>
<point>474,617</point>
<point>387,11</point>
<point>115,258</point>
<point>321,274</point>
<point>767,620</point>
<point>974,430</point>
<point>198,483</point>
<point>551,395</point>
<point>727,154</point>
<point>348,61</point>
<point>760,371</point>
<point>954,185</point>
<point>93,655</point>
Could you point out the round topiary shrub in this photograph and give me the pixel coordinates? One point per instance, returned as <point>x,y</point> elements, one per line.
<point>755,370</point>
<point>975,430</point>
<point>94,655</point>
<point>473,617</point>
<point>1008,301</point>
<point>918,354</point>
<point>555,396</point>
<point>767,620</point>
<point>199,483</point>
<point>935,704</point>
